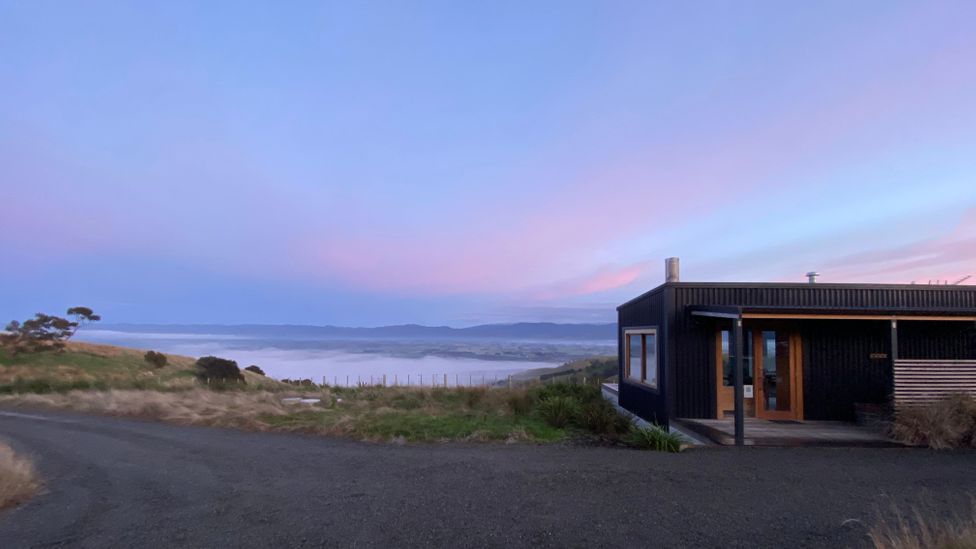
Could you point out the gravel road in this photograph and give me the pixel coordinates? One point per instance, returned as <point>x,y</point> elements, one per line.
<point>122,483</point>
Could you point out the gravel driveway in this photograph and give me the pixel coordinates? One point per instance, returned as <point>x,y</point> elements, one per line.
<point>122,483</point>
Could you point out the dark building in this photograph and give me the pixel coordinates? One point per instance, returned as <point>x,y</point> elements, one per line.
<point>809,351</point>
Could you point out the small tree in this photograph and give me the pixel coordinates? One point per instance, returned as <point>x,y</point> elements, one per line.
<point>82,315</point>
<point>156,360</point>
<point>254,368</point>
<point>211,368</point>
<point>44,331</point>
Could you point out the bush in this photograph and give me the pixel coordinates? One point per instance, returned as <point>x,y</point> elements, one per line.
<point>520,403</point>
<point>581,393</point>
<point>602,418</point>
<point>210,369</point>
<point>156,360</point>
<point>254,368</point>
<point>559,411</point>
<point>653,438</point>
<point>948,423</point>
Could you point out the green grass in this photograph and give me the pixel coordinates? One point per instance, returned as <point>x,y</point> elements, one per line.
<point>96,367</point>
<point>418,426</point>
<point>653,438</point>
<point>546,413</point>
<point>592,369</point>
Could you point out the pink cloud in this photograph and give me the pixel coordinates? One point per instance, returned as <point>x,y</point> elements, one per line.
<point>606,279</point>
<point>946,257</point>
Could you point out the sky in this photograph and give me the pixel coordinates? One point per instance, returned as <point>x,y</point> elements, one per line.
<point>370,163</point>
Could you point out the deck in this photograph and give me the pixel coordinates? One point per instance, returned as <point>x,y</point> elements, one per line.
<point>761,432</point>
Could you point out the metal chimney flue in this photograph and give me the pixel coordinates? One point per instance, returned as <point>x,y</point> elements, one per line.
<point>812,277</point>
<point>671,270</point>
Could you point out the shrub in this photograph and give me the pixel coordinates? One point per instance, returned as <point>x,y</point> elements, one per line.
<point>581,393</point>
<point>156,360</point>
<point>559,411</point>
<point>520,403</point>
<point>211,368</point>
<point>600,417</point>
<point>254,368</point>
<point>948,423</point>
<point>653,438</point>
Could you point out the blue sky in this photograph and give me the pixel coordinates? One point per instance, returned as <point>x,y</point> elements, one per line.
<point>441,162</point>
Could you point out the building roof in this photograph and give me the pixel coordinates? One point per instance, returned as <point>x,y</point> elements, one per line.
<point>826,286</point>
<point>850,313</point>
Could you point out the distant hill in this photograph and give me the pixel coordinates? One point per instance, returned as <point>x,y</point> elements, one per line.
<point>518,331</point>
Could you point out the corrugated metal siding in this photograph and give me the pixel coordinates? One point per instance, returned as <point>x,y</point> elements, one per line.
<point>648,404</point>
<point>936,340</point>
<point>920,382</point>
<point>838,370</point>
<point>693,341</point>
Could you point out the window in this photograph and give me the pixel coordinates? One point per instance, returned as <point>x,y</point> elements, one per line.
<point>728,354</point>
<point>641,356</point>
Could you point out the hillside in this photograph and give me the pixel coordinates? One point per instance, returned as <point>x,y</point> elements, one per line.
<point>90,366</point>
<point>518,331</point>
<point>602,368</point>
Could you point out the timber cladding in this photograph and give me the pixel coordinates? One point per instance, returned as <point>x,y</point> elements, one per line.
<point>919,382</point>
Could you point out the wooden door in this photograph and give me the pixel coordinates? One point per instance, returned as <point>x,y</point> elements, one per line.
<point>778,374</point>
<point>724,391</point>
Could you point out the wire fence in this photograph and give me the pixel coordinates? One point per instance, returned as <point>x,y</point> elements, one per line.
<point>440,380</point>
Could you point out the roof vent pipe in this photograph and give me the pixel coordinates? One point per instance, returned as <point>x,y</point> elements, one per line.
<point>812,277</point>
<point>671,270</point>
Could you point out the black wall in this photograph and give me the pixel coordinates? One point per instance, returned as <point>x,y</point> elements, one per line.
<point>936,340</point>
<point>838,368</point>
<point>650,404</point>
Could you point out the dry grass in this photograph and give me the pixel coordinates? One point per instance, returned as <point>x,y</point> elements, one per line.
<point>368,413</point>
<point>90,366</point>
<point>242,409</point>
<point>18,481</point>
<point>948,423</point>
<point>920,532</point>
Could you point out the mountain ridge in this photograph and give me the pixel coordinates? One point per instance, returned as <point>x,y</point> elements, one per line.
<point>517,330</point>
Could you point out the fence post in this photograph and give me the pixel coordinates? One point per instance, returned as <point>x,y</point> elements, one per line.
<point>456,383</point>
<point>509,381</point>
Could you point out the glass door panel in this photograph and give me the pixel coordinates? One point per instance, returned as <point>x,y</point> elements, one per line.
<point>776,372</point>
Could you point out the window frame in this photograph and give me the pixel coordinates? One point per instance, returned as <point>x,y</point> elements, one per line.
<point>643,332</point>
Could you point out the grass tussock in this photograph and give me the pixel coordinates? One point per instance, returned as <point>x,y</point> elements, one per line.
<point>919,531</point>
<point>653,438</point>
<point>948,423</point>
<point>18,480</point>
